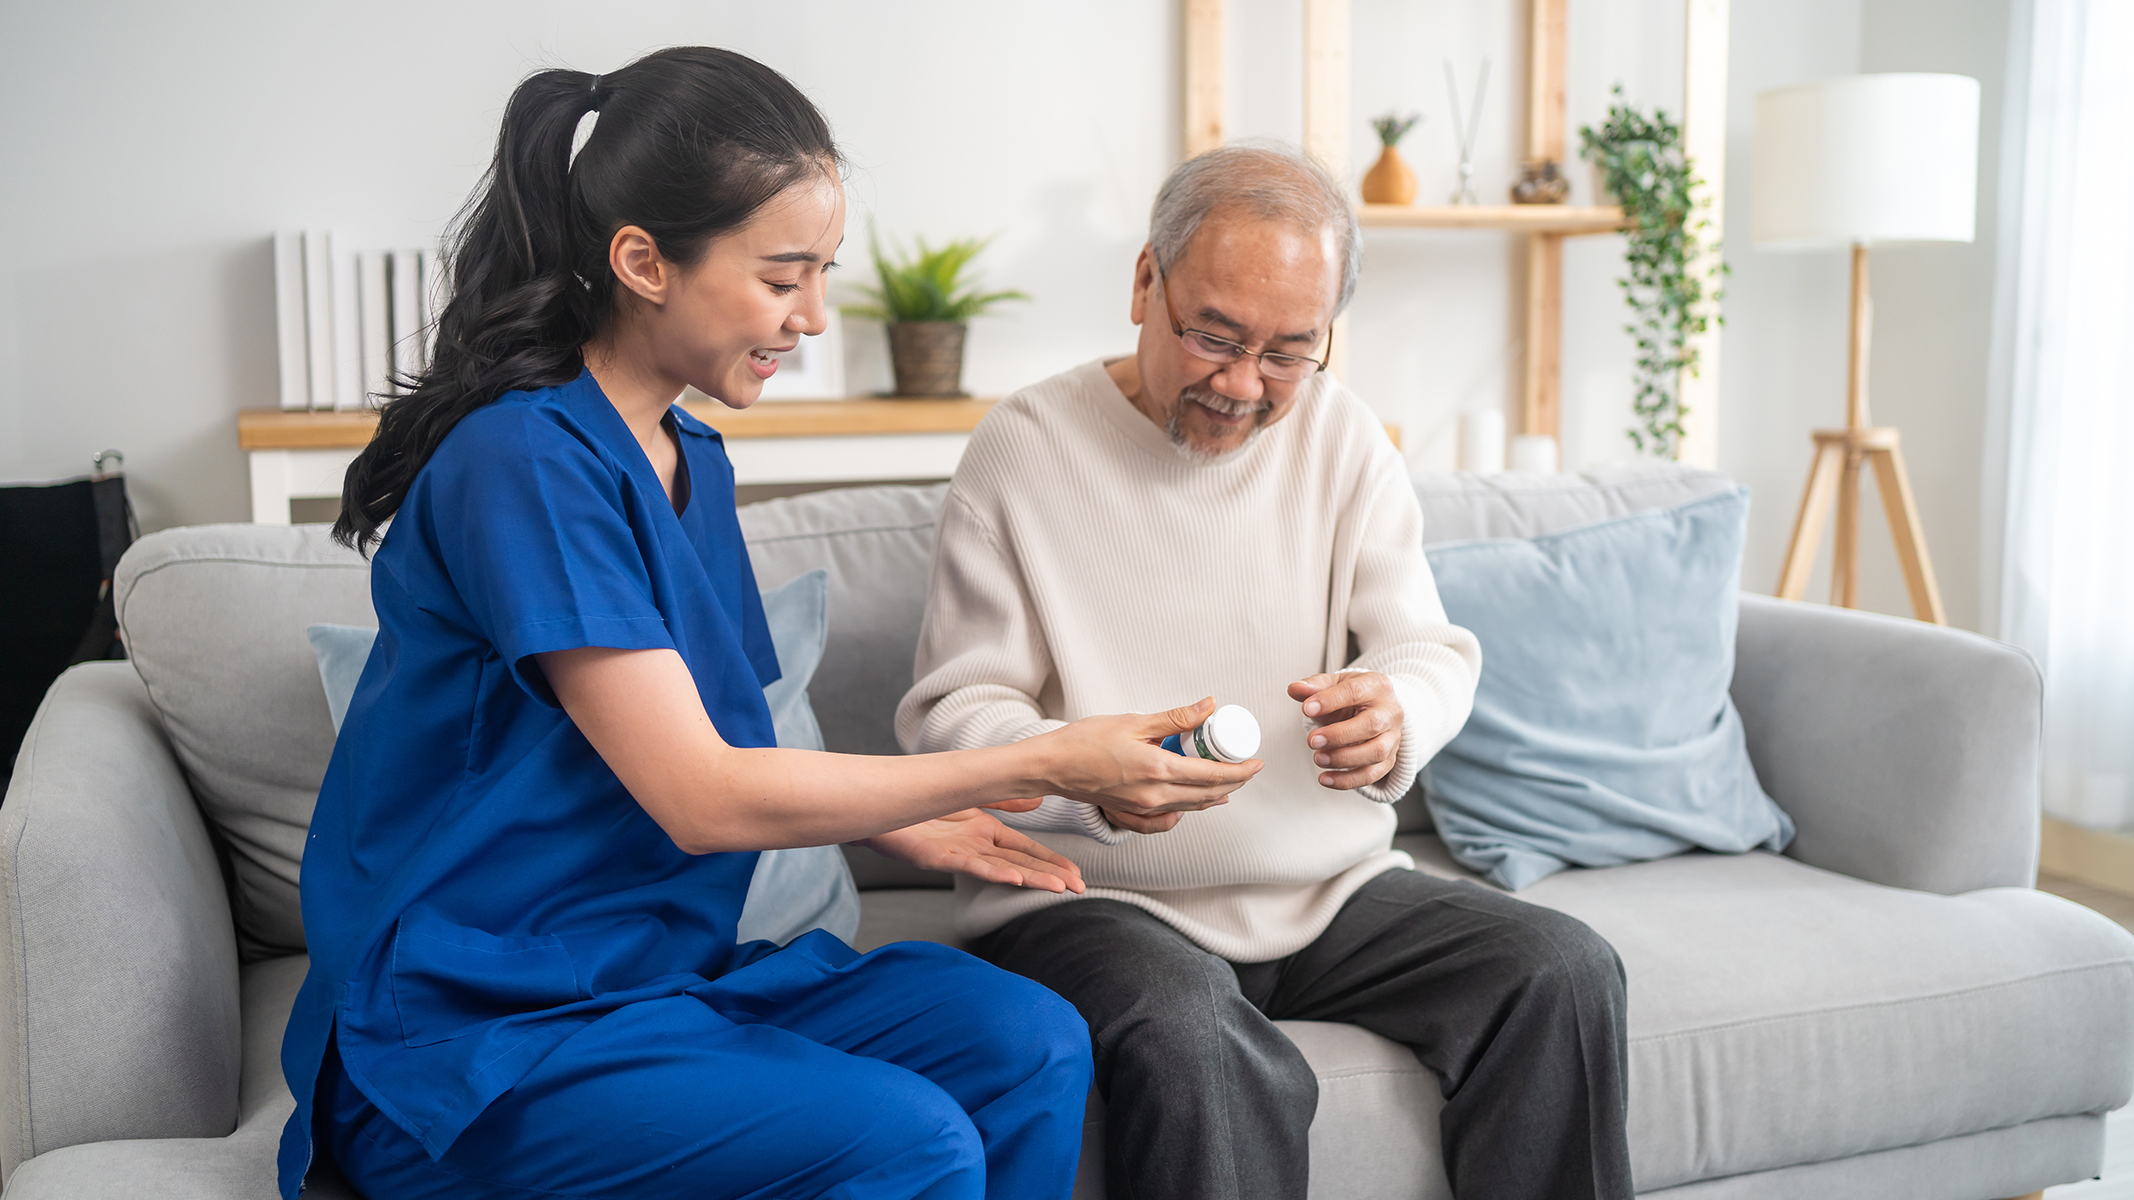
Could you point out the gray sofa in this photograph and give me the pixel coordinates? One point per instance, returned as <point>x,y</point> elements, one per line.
<point>1888,1010</point>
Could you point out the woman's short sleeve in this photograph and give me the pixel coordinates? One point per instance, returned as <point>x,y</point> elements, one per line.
<point>537,532</point>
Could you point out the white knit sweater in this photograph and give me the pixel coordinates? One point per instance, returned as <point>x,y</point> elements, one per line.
<point>1087,565</point>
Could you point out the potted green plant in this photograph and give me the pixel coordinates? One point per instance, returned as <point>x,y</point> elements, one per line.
<point>926,302</point>
<point>1672,284</point>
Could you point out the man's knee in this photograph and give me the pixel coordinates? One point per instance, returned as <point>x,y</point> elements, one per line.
<point>1158,1007</point>
<point>1195,1025</point>
<point>1560,956</point>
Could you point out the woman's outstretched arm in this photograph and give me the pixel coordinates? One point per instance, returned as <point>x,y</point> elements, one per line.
<point>641,712</point>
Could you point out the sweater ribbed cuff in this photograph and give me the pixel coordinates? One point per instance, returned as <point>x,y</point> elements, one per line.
<point>1420,709</point>
<point>1058,814</point>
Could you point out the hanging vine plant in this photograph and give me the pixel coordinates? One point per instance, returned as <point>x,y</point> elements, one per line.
<point>1672,287</point>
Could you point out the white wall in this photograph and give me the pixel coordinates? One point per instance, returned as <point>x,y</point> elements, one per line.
<point>1787,313</point>
<point>151,149</point>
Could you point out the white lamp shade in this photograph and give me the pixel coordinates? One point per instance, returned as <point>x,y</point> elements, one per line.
<point>1866,159</point>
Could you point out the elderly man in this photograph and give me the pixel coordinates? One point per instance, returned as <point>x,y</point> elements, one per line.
<point>1215,514</point>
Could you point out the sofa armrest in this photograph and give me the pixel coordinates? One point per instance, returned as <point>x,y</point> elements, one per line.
<point>1907,754</point>
<point>118,970</point>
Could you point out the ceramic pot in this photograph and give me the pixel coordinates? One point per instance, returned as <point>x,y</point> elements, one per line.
<point>1389,181</point>
<point>1540,183</point>
<point>927,357</point>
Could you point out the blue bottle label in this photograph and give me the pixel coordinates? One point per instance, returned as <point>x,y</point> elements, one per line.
<point>1171,744</point>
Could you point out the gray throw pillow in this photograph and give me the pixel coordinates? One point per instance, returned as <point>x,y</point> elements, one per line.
<point>1602,731</point>
<point>792,891</point>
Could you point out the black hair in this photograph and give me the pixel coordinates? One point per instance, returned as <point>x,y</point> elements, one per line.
<point>691,141</point>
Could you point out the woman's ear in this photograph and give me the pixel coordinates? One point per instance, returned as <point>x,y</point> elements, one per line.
<point>638,264</point>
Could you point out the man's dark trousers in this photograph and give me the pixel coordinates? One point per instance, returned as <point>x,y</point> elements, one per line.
<point>1517,1008</point>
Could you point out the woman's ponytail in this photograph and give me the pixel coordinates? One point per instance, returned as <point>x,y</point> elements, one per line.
<point>688,144</point>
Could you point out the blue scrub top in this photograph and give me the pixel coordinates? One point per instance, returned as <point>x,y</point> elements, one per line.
<point>478,884</point>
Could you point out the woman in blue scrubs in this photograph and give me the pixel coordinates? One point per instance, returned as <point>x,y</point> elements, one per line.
<point>541,818</point>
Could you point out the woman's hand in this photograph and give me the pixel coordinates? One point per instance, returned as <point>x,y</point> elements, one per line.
<point>974,843</point>
<point>1118,764</point>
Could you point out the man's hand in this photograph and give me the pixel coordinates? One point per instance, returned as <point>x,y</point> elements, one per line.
<point>976,844</point>
<point>1358,737</point>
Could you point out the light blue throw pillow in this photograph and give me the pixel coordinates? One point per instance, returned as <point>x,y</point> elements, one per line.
<point>1602,731</point>
<point>792,891</point>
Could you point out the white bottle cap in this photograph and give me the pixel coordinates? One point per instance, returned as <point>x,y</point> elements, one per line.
<point>1233,733</point>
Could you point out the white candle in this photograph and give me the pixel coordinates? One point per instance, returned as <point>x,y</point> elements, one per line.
<point>1482,441</point>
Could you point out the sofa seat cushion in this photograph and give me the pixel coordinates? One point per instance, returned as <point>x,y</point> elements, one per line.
<point>1783,1014</point>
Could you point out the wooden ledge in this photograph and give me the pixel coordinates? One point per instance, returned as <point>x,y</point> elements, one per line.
<point>275,429</point>
<point>840,418</point>
<point>1516,218</point>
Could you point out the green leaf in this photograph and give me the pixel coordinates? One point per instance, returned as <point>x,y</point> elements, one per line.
<point>1670,283</point>
<point>927,283</point>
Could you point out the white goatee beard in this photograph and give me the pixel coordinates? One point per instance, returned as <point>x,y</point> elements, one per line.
<point>1222,404</point>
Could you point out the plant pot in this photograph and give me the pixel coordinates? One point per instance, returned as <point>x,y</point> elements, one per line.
<point>1540,182</point>
<point>1389,181</point>
<point>927,357</point>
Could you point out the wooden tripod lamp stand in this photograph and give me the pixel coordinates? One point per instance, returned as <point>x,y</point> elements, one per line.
<point>1854,162</point>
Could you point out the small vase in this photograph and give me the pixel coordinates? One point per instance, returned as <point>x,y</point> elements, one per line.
<point>927,357</point>
<point>1389,181</point>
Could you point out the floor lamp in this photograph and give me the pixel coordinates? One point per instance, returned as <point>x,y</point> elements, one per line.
<point>1860,161</point>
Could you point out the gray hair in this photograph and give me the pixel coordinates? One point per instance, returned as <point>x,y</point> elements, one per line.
<point>1265,179</point>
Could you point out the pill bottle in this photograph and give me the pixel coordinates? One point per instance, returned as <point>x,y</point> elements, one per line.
<point>1230,734</point>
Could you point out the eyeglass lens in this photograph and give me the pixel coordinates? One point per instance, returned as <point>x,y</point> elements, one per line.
<point>1273,365</point>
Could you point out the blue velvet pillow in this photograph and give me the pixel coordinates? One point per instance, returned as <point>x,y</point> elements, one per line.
<point>1602,731</point>
<point>792,891</point>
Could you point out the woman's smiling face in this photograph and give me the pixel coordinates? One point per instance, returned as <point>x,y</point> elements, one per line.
<point>753,293</point>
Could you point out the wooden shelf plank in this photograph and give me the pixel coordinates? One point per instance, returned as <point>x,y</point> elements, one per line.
<point>840,418</point>
<point>1517,218</point>
<point>274,429</point>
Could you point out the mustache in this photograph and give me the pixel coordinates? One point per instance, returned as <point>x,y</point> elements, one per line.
<point>1209,398</point>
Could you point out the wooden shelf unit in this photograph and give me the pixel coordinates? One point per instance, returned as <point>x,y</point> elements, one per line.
<point>275,429</point>
<point>1327,37</point>
<point>1513,218</point>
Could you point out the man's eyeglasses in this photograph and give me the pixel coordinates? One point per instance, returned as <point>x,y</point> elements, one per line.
<point>1202,344</point>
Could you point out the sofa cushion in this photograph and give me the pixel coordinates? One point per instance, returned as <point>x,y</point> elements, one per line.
<point>803,887</point>
<point>798,616</point>
<point>1602,731</point>
<point>877,544</point>
<point>1459,506</point>
<point>343,650</point>
<point>214,617</point>
<point>1783,1014</point>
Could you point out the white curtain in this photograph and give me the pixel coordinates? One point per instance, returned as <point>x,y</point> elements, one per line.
<point>2065,370</point>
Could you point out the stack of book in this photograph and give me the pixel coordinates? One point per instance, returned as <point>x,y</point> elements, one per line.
<point>351,324</point>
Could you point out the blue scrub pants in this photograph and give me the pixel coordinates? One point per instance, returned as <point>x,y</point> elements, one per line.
<point>912,1071</point>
